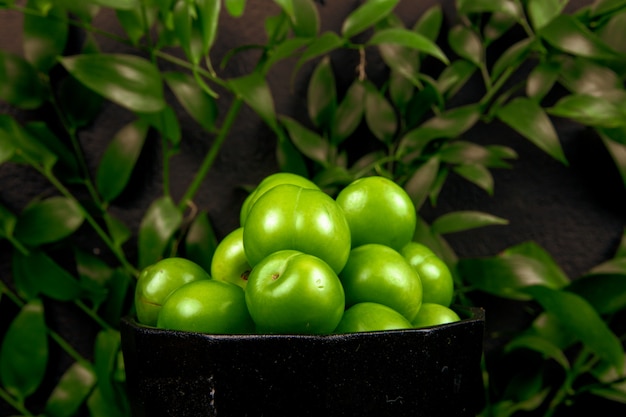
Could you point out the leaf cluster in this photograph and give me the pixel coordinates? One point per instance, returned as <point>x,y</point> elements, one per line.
<point>409,125</point>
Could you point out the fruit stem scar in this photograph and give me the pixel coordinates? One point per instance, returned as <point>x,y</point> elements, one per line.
<point>275,276</point>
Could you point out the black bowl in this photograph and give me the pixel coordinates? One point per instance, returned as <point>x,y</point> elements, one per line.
<point>434,371</point>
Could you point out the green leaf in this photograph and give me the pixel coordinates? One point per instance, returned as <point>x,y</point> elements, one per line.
<point>322,94</point>
<point>605,292</point>
<point>303,15</point>
<point>583,76</point>
<point>450,124</point>
<point>590,110</point>
<point>512,57</point>
<point>235,7</point>
<point>401,90</point>
<point>188,31</point>
<point>349,113</point>
<point>201,241</point>
<point>306,141</point>
<point>24,352</point>
<point>455,76</point>
<point>541,79</point>
<point>408,39</point>
<point>17,144</point>
<point>117,230</point>
<point>127,80</point>
<point>160,222</point>
<point>80,104</point>
<point>117,4</point>
<point>477,174</point>
<point>606,6</point>
<point>7,222</point>
<point>542,12</point>
<point>255,92</point>
<point>483,6</point>
<point>322,45</point>
<point>527,118</point>
<point>507,274</point>
<point>36,273</point>
<point>19,82</point>
<point>403,61</point>
<point>466,44</point>
<point>166,123</point>
<point>71,391</point>
<point>419,184</point>
<point>429,23</point>
<point>539,344</point>
<point>48,221</point>
<point>366,15</point>
<point>45,37</point>
<point>501,22</point>
<point>579,318</point>
<point>106,362</point>
<point>119,159</point>
<point>379,114</point>
<point>67,166</point>
<point>208,16</point>
<point>460,221</point>
<point>567,34</point>
<point>133,22</point>
<point>288,48</point>
<point>95,276</point>
<point>290,159</point>
<point>463,152</point>
<point>617,151</point>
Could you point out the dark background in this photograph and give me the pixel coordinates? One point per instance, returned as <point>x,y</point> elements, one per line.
<point>576,213</point>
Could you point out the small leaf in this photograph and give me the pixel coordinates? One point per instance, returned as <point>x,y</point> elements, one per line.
<point>306,141</point>
<point>201,241</point>
<point>617,151</point>
<point>567,34</point>
<point>235,7</point>
<point>408,39</point>
<point>130,81</point>
<point>589,110</point>
<point>255,92</point>
<point>7,222</point>
<point>290,159</point>
<point>349,113</point>
<point>606,6</point>
<point>117,230</point>
<point>541,345</point>
<point>19,82</point>
<point>542,12</point>
<point>289,48</point>
<point>604,291</point>
<point>119,158</point>
<point>477,174</point>
<point>45,37</point>
<point>366,15</point>
<point>166,123</point>
<point>379,114</point>
<point>322,94</point>
<point>303,15</point>
<point>208,16</point>
<point>80,104</point>
<point>579,318</point>
<point>133,22</point>
<point>17,144</point>
<point>583,76</point>
<point>67,165</point>
<point>71,391</point>
<point>467,44</point>
<point>117,4</point>
<point>48,221</point>
<point>455,76</point>
<point>94,274</point>
<point>463,152</point>
<point>160,222</point>
<point>482,6</point>
<point>518,267</point>
<point>512,57</point>
<point>429,23</point>
<point>541,79</point>
<point>24,352</point>
<point>36,273</point>
<point>419,184</point>
<point>527,118</point>
<point>106,357</point>
<point>322,45</point>
<point>460,221</point>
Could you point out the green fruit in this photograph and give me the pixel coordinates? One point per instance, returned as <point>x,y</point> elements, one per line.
<point>378,273</point>
<point>371,317</point>
<point>378,211</point>
<point>292,217</point>
<point>156,282</point>
<point>229,262</point>
<point>268,183</point>
<point>206,306</point>
<point>437,281</point>
<point>432,314</point>
<point>292,292</point>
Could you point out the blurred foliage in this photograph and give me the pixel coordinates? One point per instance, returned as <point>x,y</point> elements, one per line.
<point>417,131</point>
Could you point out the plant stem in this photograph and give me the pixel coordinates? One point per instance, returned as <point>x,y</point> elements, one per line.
<point>17,405</point>
<point>209,158</point>
<point>565,390</point>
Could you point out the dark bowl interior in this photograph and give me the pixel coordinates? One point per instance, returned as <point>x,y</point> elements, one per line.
<point>420,372</point>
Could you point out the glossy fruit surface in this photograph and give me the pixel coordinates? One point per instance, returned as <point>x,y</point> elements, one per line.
<point>437,281</point>
<point>158,281</point>
<point>292,217</point>
<point>292,292</point>
<point>378,211</point>
<point>432,314</point>
<point>229,262</point>
<point>268,183</point>
<point>370,317</point>
<point>207,306</point>
<point>378,273</point>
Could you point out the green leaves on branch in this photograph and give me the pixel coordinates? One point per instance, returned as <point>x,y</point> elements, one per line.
<point>366,15</point>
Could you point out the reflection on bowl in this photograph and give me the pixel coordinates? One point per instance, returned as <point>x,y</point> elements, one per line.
<point>420,372</point>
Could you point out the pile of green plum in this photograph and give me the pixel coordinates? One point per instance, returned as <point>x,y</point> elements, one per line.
<point>302,262</point>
